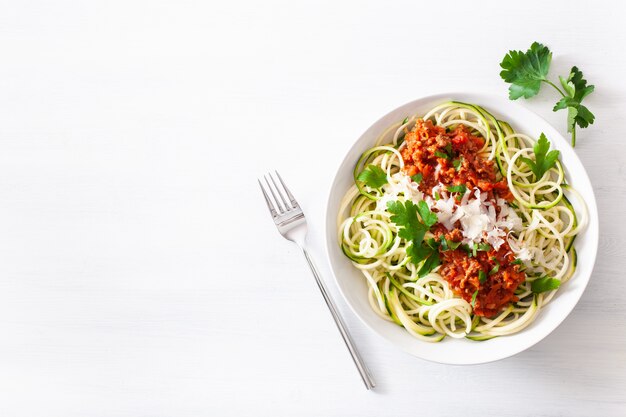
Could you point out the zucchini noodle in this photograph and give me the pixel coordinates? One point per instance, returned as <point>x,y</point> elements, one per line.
<point>426,306</point>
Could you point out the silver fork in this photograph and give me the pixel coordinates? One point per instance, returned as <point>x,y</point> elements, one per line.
<point>290,221</point>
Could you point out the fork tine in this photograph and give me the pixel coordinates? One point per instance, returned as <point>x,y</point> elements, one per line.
<point>278,205</point>
<point>280,193</point>
<point>294,203</point>
<point>270,205</point>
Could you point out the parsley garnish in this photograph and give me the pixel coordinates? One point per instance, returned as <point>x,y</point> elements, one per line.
<point>442,155</point>
<point>457,188</point>
<point>495,268</point>
<point>449,148</point>
<point>417,178</point>
<point>544,160</point>
<point>485,247</point>
<point>482,277</point>
<point>457,163</point>
<point>473,303</point>
<point>405,216</point>
<point>544,284</point>
<point>517,262</point>
<point>373,176</point>
<point>448,244</point>
<point>406,119</point>
<point>525,71</point>
<point>437,196</point>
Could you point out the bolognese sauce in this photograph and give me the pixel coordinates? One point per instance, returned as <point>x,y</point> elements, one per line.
<point>486,278</point>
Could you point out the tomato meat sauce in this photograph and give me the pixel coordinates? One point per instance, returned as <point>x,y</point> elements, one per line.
<point>452,157</point>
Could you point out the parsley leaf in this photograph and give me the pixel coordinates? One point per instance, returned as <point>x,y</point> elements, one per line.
<point>516,262</point>
<point>485,247</point>
<point>495,268</point>
<point>544,160</point>
<point>443,155</point>
<point>417,178</point>
<point>457,188</point>
<point>428,217</point>
<point>482,277</point>
<point>373,176</point>
<point>431,263</point>
<point>473,303</point>
<point>526,70</point>
<point>448,244</point>
<point>405,217</point>
<point>457,163</point>
<point>577,89</point>
<point>544,284</point>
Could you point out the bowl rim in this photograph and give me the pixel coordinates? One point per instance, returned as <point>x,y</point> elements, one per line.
<point>593,224</point>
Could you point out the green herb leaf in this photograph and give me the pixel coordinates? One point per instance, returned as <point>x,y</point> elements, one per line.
<point>448,244</point>
<point>495,268</point>
<point>516,262</point>
<point>482,277</point>
<point>457,163</point>
<point>373,176</point>
<point>473,303</point>
<point>406,119</point>
<point>449,148</point>
<point>442,155</point>
<point>544,284</point>
<point>484,247</point>
<point>431,263</point>
<point>577,89</point>
<point>404,215</point>
<point>461,188</point>
<point>428,217</point>
<point>526,70</point>
<point>544,160</point>
<point>437,196</point>
<point>417,178</point>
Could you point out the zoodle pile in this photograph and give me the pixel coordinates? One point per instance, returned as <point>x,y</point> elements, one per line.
<point>461,226</point>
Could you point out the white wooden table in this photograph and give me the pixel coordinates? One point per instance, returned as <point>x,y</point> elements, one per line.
<point>140,274</point>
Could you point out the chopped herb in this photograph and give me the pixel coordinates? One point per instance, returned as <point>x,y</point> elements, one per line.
<point>417,178</point>
<point>484,247</point>
<point>544,284</point>
<point>449,148</point>
<point>482,277</point>
<point>457,163</point>
<point>442,155</point>
<point>406,119</point>
<point>544,160</point>
<point>373,176</point>
<point>473,303</point>
<point>437,196</point>
<point>461,188</point>
<point>473,249</point>
<point>495,268</point>
<point>448,244</point>
<point>517,262</point>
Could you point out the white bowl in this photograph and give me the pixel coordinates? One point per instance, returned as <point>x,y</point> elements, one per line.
<point>462,351</point>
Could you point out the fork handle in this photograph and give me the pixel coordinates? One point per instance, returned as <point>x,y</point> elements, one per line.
<point>356,357</point>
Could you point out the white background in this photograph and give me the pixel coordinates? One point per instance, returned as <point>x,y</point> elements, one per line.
<point>140,274</point>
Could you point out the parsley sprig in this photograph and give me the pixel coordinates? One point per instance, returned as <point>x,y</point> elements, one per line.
<point>544,160</point>
<point>373,176</point>
<point>525,71</point>
<point>413,228</point>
